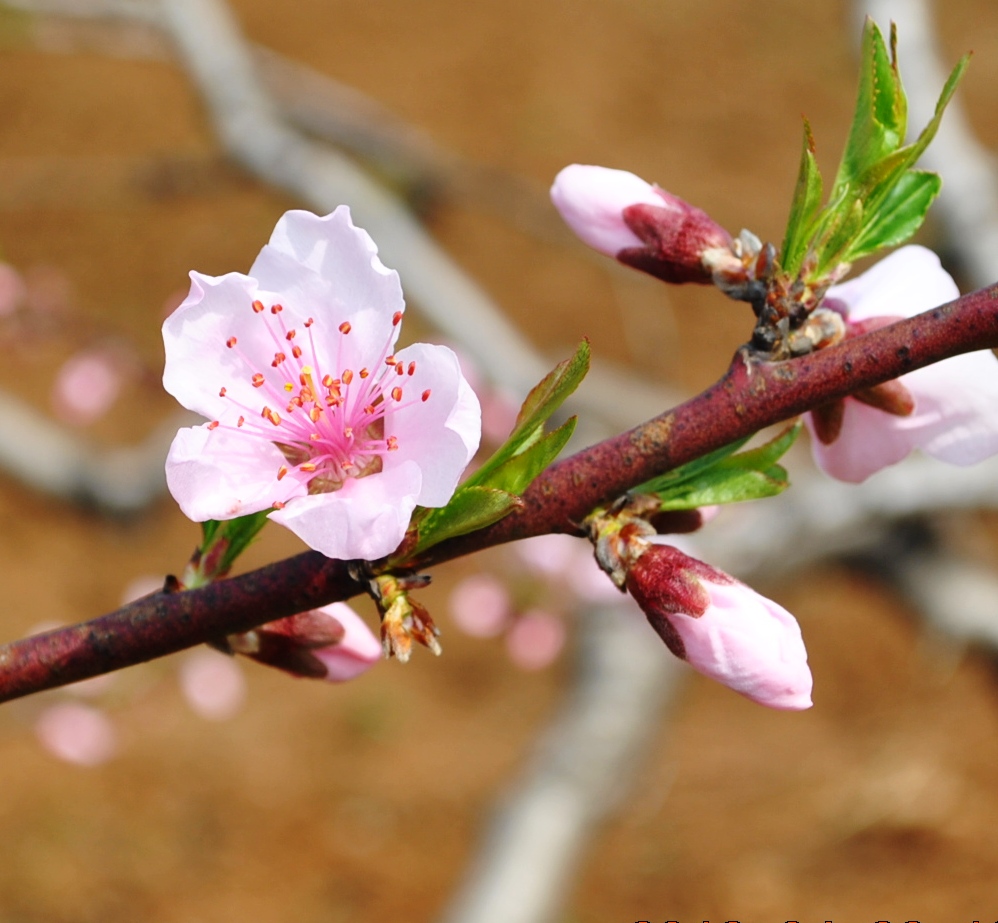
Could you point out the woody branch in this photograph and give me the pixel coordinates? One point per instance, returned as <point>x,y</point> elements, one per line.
<point>752,394</point>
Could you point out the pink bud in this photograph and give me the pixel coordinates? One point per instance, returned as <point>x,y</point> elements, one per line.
<point>331,643</point>
<point>619,214</point>
<point>722,628</point>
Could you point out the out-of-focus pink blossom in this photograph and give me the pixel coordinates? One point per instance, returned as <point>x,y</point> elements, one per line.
<point>480,605</point>
<point>311,410</point>
<point>619,214</point>
<point>12,289</point>
<point>77,733</point>
<point>535,639</point>
<point>955,415</point>
<point>86,387</point>
<point>722,628</point>
<point>550,555</point>
<point>212,684</point>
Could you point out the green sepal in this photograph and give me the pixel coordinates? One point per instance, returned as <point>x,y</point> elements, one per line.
<point>471,508</point>
<point>222,541</point>
<point>726,477</point>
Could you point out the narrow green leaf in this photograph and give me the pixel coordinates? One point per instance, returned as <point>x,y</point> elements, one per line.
<point>671,479</point>
<point>470,508</point>
<point>727,485</point>
<point>804,206</point>
<point>516,474</point>
<point>543,400</point>
<point>767,454</point>
<point>900,216</point>
<point>881,116</point>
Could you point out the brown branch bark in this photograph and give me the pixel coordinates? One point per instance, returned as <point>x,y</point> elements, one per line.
<point>752,394</point>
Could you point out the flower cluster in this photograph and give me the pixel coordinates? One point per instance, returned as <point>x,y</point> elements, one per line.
<point>312,412</point>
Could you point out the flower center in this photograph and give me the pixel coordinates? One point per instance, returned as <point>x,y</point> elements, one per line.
<point>329,423</point>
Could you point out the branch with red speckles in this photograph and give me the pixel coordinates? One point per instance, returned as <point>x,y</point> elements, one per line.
<point>752,394</point>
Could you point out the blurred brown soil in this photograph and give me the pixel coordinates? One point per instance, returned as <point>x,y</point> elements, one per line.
<point>331,804</point>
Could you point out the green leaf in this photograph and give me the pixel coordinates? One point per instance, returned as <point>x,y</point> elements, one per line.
<point>543,400</point>
<point>516,474</point>
<point>688,472</point>
<point>470,508</point>
<point>804,207</point>
<point>901,215</point>
<point>881,116</point>
<point>726,477</point>
<point>721,486</point>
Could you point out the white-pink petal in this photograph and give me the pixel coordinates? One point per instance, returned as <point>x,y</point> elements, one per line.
<point>357,651</point>
<point>750,644</point>
<point>592,199</point>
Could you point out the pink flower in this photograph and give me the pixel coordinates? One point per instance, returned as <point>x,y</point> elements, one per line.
<point>620,215</point>
<point>311,410</point>
<point>948,410</point>
<point>722,628</point>
<point>331,643</point>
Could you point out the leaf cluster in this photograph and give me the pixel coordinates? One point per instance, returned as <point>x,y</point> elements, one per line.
<point>878,199</point>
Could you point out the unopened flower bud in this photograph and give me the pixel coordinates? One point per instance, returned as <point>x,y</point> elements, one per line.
<point>331,643</point>
<point>619,214</point>
<point>721,627</point>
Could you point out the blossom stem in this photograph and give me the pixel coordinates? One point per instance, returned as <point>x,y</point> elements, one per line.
<point>751,395</point>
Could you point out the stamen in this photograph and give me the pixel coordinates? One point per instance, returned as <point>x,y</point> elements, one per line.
<point>296,351</point>
<point>278,505</point>
<point>396,394</point>
<point>364,373</point>
<point>348,432</point>
<point>230,342</point>
<point>396,318</point>
<point>257,380</point>
<point>290,335</point>
<point>213,424</point>
<point>315,413</point>
<point>258,307</point>
<point>289,386</point>
<point>309,322</point>
<point>426,395</point>
<point>390,360</point>
<point>240,421</point>
<point>283,470</point>
<point>308,467</point>
<point>221,392</point>
<point>400,368</point>
<point>279,357</point>
<point>345,327</point>
<point>328,381</point>
<point>276,308</point>
<point>392,443</point>
<point>412,368</point>
<point>270,415</point>
<point>347,376</point>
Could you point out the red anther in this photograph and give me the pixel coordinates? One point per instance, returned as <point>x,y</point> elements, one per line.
<point>283,470</point>
<point>305,395</point>
<point>278,359</point>
<point>314,414</point>
<point>345,327</point>
<point>314,437</point>
<point>257,307</point>
<point>333,401</point>
<point>230,342</point>
<point>213,424</point>
<point>400,368</point>
<point>278,505</point>
<point>291,406</point>
<point>369,410</point>
<point>257,380</point>
<point>348,432</point>
<point>240,421</point>
<point>276,308</point>
<point>426,395</point>
<point>270,415</point>
<point>412,368</point>
<point>347,376</point>
<point>364,372</point>
<point>393,443</point>
<point>390,360</point>
<point>396,318</point>
<point>309,322</point>
<point>328,381</point>
<point>221,392</point>
<point>296,351</point>
<point>308,467</point>
<point>290,335</point>
<point>396,394</point>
